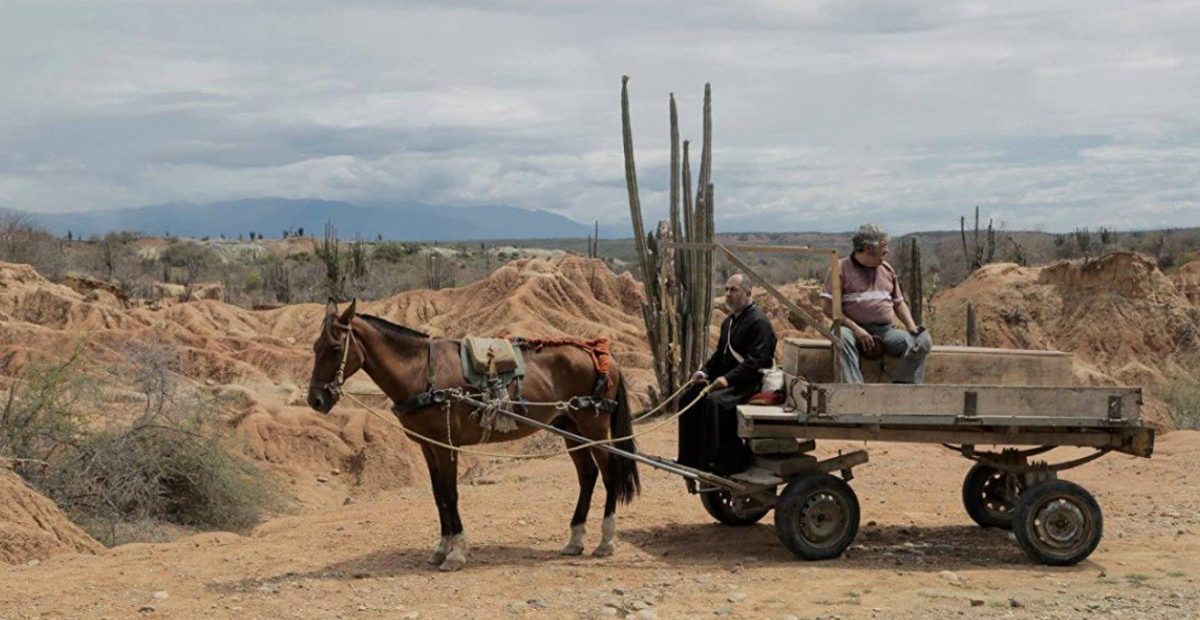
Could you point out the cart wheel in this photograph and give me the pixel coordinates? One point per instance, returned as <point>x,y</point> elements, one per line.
<point>990,495</point>
<point>817,516</point>
<point>1058,523</point>
<point>720,505</point>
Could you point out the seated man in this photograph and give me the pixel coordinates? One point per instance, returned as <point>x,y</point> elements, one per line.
<point>708,436</point>
<point>871,300</point>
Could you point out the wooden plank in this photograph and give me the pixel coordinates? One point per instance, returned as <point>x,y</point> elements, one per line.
<point>789,304</point>
<point>763,249</point>
<point>810,358</point>
<point>1018,402</point>
<point>786,465</point>
<point>843,461</point>
<point>781,446</point>
<point>758,477</point>
<point>1138,441</point>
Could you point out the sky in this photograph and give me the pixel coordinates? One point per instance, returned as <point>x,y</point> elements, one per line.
<point>1048,115</point>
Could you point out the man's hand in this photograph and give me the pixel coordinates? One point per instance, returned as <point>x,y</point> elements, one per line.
<point>720,383</point>
<point>866,341</point>
<point>699,377</point>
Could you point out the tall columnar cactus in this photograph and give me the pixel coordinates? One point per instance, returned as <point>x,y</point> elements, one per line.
<point>678,283</point>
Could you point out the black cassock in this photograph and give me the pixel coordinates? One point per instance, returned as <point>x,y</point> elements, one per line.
<point>708,436</point>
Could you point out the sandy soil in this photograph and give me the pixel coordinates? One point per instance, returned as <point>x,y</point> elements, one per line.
<point>917,555</point>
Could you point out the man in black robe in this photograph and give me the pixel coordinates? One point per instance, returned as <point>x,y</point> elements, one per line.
<point>708,436</point>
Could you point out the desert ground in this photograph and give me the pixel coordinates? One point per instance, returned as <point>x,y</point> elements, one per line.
<point>354,545</point>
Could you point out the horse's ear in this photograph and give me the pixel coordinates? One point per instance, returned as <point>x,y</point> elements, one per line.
<point>331,309</point>
<point>349,313</point>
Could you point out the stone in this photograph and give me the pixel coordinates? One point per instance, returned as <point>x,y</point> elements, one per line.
<point>537,603</point>
<point>737,597</point>
<point>977,602</point>
<point>608,612</point>
<point>723,610</point>
<point>1016,602</point>
<point>647,614</point>
<point>322,479</point>
<point>161,595</point>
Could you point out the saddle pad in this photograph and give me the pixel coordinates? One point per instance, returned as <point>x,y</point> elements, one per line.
<point>508,362</point>
<point>490,356</point>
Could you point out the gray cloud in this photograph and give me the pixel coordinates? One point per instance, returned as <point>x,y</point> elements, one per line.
<point>1076,113</point>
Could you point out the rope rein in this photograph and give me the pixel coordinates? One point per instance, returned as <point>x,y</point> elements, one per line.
<point>457,395</point>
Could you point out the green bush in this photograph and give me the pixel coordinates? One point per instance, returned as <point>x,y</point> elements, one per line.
<point>392,252</point>
<point>40,418</point>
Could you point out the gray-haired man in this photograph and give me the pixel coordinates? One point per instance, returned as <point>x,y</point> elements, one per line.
<point>871,301</point>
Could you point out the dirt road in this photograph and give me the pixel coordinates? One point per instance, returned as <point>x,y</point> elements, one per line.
<point>917,555</point>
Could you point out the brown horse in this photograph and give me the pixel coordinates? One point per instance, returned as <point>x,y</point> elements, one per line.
<point>401,361</point>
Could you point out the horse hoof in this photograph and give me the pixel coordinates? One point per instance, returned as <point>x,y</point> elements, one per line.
<point>436,558</point>
<point>572,550</point>
<point>603,550</point>
<point>452,563</point>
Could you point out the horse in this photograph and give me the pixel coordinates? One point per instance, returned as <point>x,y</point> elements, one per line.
<point>404,362</point>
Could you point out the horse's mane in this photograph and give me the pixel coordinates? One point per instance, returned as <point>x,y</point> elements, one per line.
<point>390,328</point>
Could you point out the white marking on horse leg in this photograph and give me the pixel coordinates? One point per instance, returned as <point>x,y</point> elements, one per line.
<point>608,536</point>
<point>457,557</point>
<point>439,551</point>
<point>575,545</point>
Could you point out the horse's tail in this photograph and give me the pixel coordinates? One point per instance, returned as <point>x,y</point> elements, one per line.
<point>621,470</point>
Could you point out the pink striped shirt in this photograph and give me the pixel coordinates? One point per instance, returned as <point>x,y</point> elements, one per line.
<point>869,294</point>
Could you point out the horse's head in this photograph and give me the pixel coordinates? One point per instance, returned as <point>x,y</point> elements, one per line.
<point>335,357</point>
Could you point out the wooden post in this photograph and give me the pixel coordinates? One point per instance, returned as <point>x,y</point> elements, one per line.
<point>972,336</point>
<point>835,329</point>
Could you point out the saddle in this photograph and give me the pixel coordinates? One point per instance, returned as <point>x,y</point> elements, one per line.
<point>488,362</point>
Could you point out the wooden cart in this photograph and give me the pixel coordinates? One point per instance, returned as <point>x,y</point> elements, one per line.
<point>816,514</point>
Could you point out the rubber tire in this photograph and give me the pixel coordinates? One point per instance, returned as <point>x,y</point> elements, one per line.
<point>1025,516</point>
<point>788,513</point>
<point>716,504</point>
<point>972,497</point>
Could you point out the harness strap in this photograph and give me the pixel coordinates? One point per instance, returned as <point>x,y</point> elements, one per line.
<point>431,395</point>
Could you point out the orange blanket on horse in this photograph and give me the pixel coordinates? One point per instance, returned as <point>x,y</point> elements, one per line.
<point>596,347</point>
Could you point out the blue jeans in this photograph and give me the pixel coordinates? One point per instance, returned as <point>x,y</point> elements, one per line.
<point>896,343</point>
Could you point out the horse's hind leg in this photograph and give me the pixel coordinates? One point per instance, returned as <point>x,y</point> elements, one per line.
<point>451,551</point>
<point>586,471</point>
<point>608,527</point>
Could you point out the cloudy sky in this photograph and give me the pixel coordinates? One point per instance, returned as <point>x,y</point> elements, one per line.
<point>1048,114</point>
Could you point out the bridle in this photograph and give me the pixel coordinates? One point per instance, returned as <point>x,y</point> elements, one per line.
<point>335,387</point>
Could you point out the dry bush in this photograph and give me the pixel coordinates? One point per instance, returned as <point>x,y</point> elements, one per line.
<point>1182,393</point>
<point>167,463</point>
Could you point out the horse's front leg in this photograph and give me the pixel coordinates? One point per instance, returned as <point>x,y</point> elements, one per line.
<point>450,553</point>
<point>446,490</point>
<point>435,477</point>
<point>586,471</point>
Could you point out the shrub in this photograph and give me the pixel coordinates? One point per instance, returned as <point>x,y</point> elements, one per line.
<point>1182,393</point>
<point>166,463</point>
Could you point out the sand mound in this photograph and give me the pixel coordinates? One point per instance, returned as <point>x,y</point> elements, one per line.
<point>32,527</point>
<point>1124,320</point>
<point>265,355</point>
<point>1187,280</point>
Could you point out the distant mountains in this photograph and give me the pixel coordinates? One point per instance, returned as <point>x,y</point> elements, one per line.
<point>408,221</point>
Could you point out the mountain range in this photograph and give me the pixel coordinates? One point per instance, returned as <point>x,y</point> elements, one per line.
<point>407,221</point>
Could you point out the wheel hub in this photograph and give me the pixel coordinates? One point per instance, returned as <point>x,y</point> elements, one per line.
<point>823,518</point>
<point>1061,524</point>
